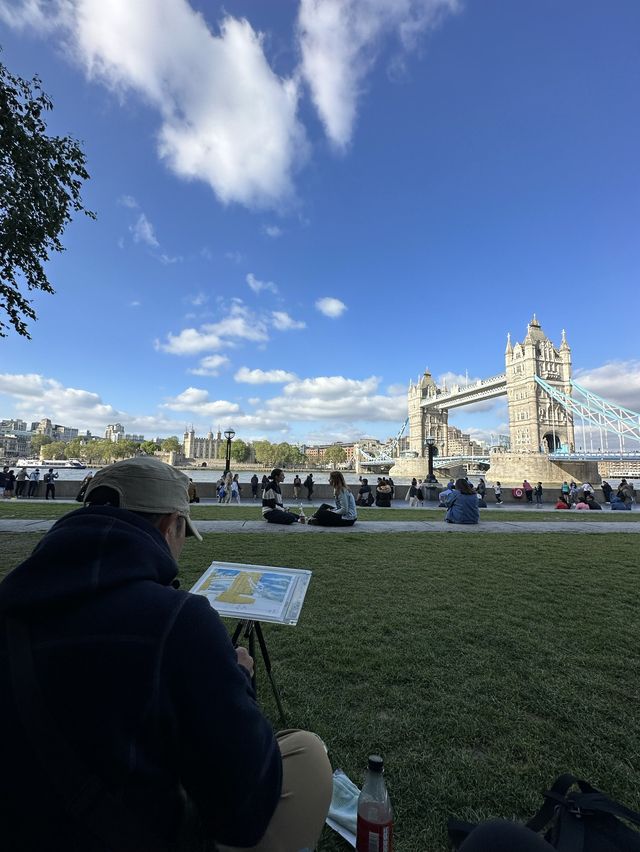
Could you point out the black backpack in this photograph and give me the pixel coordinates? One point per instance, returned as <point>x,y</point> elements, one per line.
<point>582,821</point>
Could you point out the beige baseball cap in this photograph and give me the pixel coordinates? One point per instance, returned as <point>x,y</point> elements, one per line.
<point>146,484</point>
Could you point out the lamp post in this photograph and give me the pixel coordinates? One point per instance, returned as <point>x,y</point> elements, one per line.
<point>229,435</point>
<point>430,443</point>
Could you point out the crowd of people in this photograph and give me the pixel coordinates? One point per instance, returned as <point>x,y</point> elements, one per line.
<point>13,484</point>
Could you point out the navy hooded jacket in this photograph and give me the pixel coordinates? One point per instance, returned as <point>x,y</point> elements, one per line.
<point>142,681</point>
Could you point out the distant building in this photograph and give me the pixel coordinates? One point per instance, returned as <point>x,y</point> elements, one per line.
<point>54,431</point>
<point>315,454</point>
<point>7,426</point>
<point>201,448</point>
<point>115,432</point>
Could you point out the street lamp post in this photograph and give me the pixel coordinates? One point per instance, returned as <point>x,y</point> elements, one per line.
<point>430,443</point>
<point>229,435</point>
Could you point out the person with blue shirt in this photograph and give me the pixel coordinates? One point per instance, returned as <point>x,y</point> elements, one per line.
<point>462,504</point>
<point>344,514</point>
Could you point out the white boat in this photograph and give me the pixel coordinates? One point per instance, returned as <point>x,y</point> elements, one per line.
<point>74,464</point>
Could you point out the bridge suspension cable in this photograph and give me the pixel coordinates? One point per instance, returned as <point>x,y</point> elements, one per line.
<point>597,411</point>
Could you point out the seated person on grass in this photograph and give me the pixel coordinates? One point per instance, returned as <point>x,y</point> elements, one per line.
<point>591,502</point>
<point>130,719</point>
<point>563,501</point>
<point>273,510</point>
<point>344,514</point>
<point>462,504</point>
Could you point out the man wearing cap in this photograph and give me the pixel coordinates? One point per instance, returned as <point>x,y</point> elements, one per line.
<point>128,717</point>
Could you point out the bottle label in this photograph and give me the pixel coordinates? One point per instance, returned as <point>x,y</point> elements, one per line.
<point>374,836</point>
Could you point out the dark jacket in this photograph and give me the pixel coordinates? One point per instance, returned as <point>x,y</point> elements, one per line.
<point>142,681</point>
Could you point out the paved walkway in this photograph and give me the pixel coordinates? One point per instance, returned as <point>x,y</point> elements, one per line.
<point>379,527</point>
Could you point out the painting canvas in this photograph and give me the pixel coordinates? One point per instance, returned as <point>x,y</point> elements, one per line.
<point>256,592</point>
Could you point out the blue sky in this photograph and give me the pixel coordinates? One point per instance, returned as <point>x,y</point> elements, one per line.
<point>303,203</point>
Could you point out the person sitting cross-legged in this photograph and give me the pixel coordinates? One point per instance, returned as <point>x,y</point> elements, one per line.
<point>462,504</point>
<point>345,513</point>
<point>273,510</point>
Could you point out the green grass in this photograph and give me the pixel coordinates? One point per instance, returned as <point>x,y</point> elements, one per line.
<point>479,667</point>
<point>251,512</point>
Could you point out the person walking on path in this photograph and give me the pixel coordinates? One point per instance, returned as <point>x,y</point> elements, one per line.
<point>21,477</point>
<point>497,490</point>
<point>235,489</point>
<point>254,486</point>
<point>297,485</point>
<point>308,484</point>
<point>528,490</point>
<point>412,493</point>
<point>50,481</point>
<point>227,487</point>
<point>482,488</point>
<point>538,492</point>
<point>127,713</point>
<point>34,479</point>
<point>273,510</point>
<point>344,514</point>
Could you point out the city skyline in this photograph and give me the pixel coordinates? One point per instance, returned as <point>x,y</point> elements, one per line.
<point>392,188</point>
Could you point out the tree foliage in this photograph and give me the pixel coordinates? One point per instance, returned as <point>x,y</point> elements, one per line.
<point>239,450</point>
<point>335,454</point>
<point>171,445</point>
<point>40,181</point>
<point>38,441</point>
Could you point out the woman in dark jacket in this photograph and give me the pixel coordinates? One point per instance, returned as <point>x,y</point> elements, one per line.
<point>365,497</point>
<point>462,505</point>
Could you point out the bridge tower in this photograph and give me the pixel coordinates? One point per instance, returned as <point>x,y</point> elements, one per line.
<point>536,422</point>
<point>424,423</point>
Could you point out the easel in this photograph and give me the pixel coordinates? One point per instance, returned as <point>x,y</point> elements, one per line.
<point>251,630</point>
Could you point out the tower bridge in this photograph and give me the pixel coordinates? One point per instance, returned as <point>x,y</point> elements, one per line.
<point>543,403</point>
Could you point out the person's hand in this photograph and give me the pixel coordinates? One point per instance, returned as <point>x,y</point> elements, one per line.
<point>244,659</point>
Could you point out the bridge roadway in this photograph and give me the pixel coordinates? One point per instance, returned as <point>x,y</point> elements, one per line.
<point>457,396</point>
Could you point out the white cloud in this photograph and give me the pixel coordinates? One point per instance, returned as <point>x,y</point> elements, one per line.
<point>225,117</point>
<point>261,377</point>
<point>37,396</point>
<point>167,259</point>
<point>135,304</point>
<point>339,42</point>
<point>258,286</point>
<point>196,401</point>
<point>283,322</point>
<point>197,299</point>
<point>31,14</point>
<point>336,398</point>
<point>234,256</point>
<point>239,324</point>
<point>331,307</point>
<point>143,232</point>
<point>128,201</point>
<point>617,382</point>
<point>210,366</point>
<point>272,231</point>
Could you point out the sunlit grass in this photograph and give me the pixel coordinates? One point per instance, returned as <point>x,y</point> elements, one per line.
<point>479,667</point>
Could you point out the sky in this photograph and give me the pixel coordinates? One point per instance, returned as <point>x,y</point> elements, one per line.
<point>302,204</point>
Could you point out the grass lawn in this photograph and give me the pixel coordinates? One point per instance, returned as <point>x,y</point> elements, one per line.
<point>479,667</point>
<point>251,512</point>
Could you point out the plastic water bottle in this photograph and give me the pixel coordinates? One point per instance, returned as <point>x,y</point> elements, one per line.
<point>375,816</point>
<point>302,514</point>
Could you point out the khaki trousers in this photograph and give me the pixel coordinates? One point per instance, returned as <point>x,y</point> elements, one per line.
<point>307,786</point>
